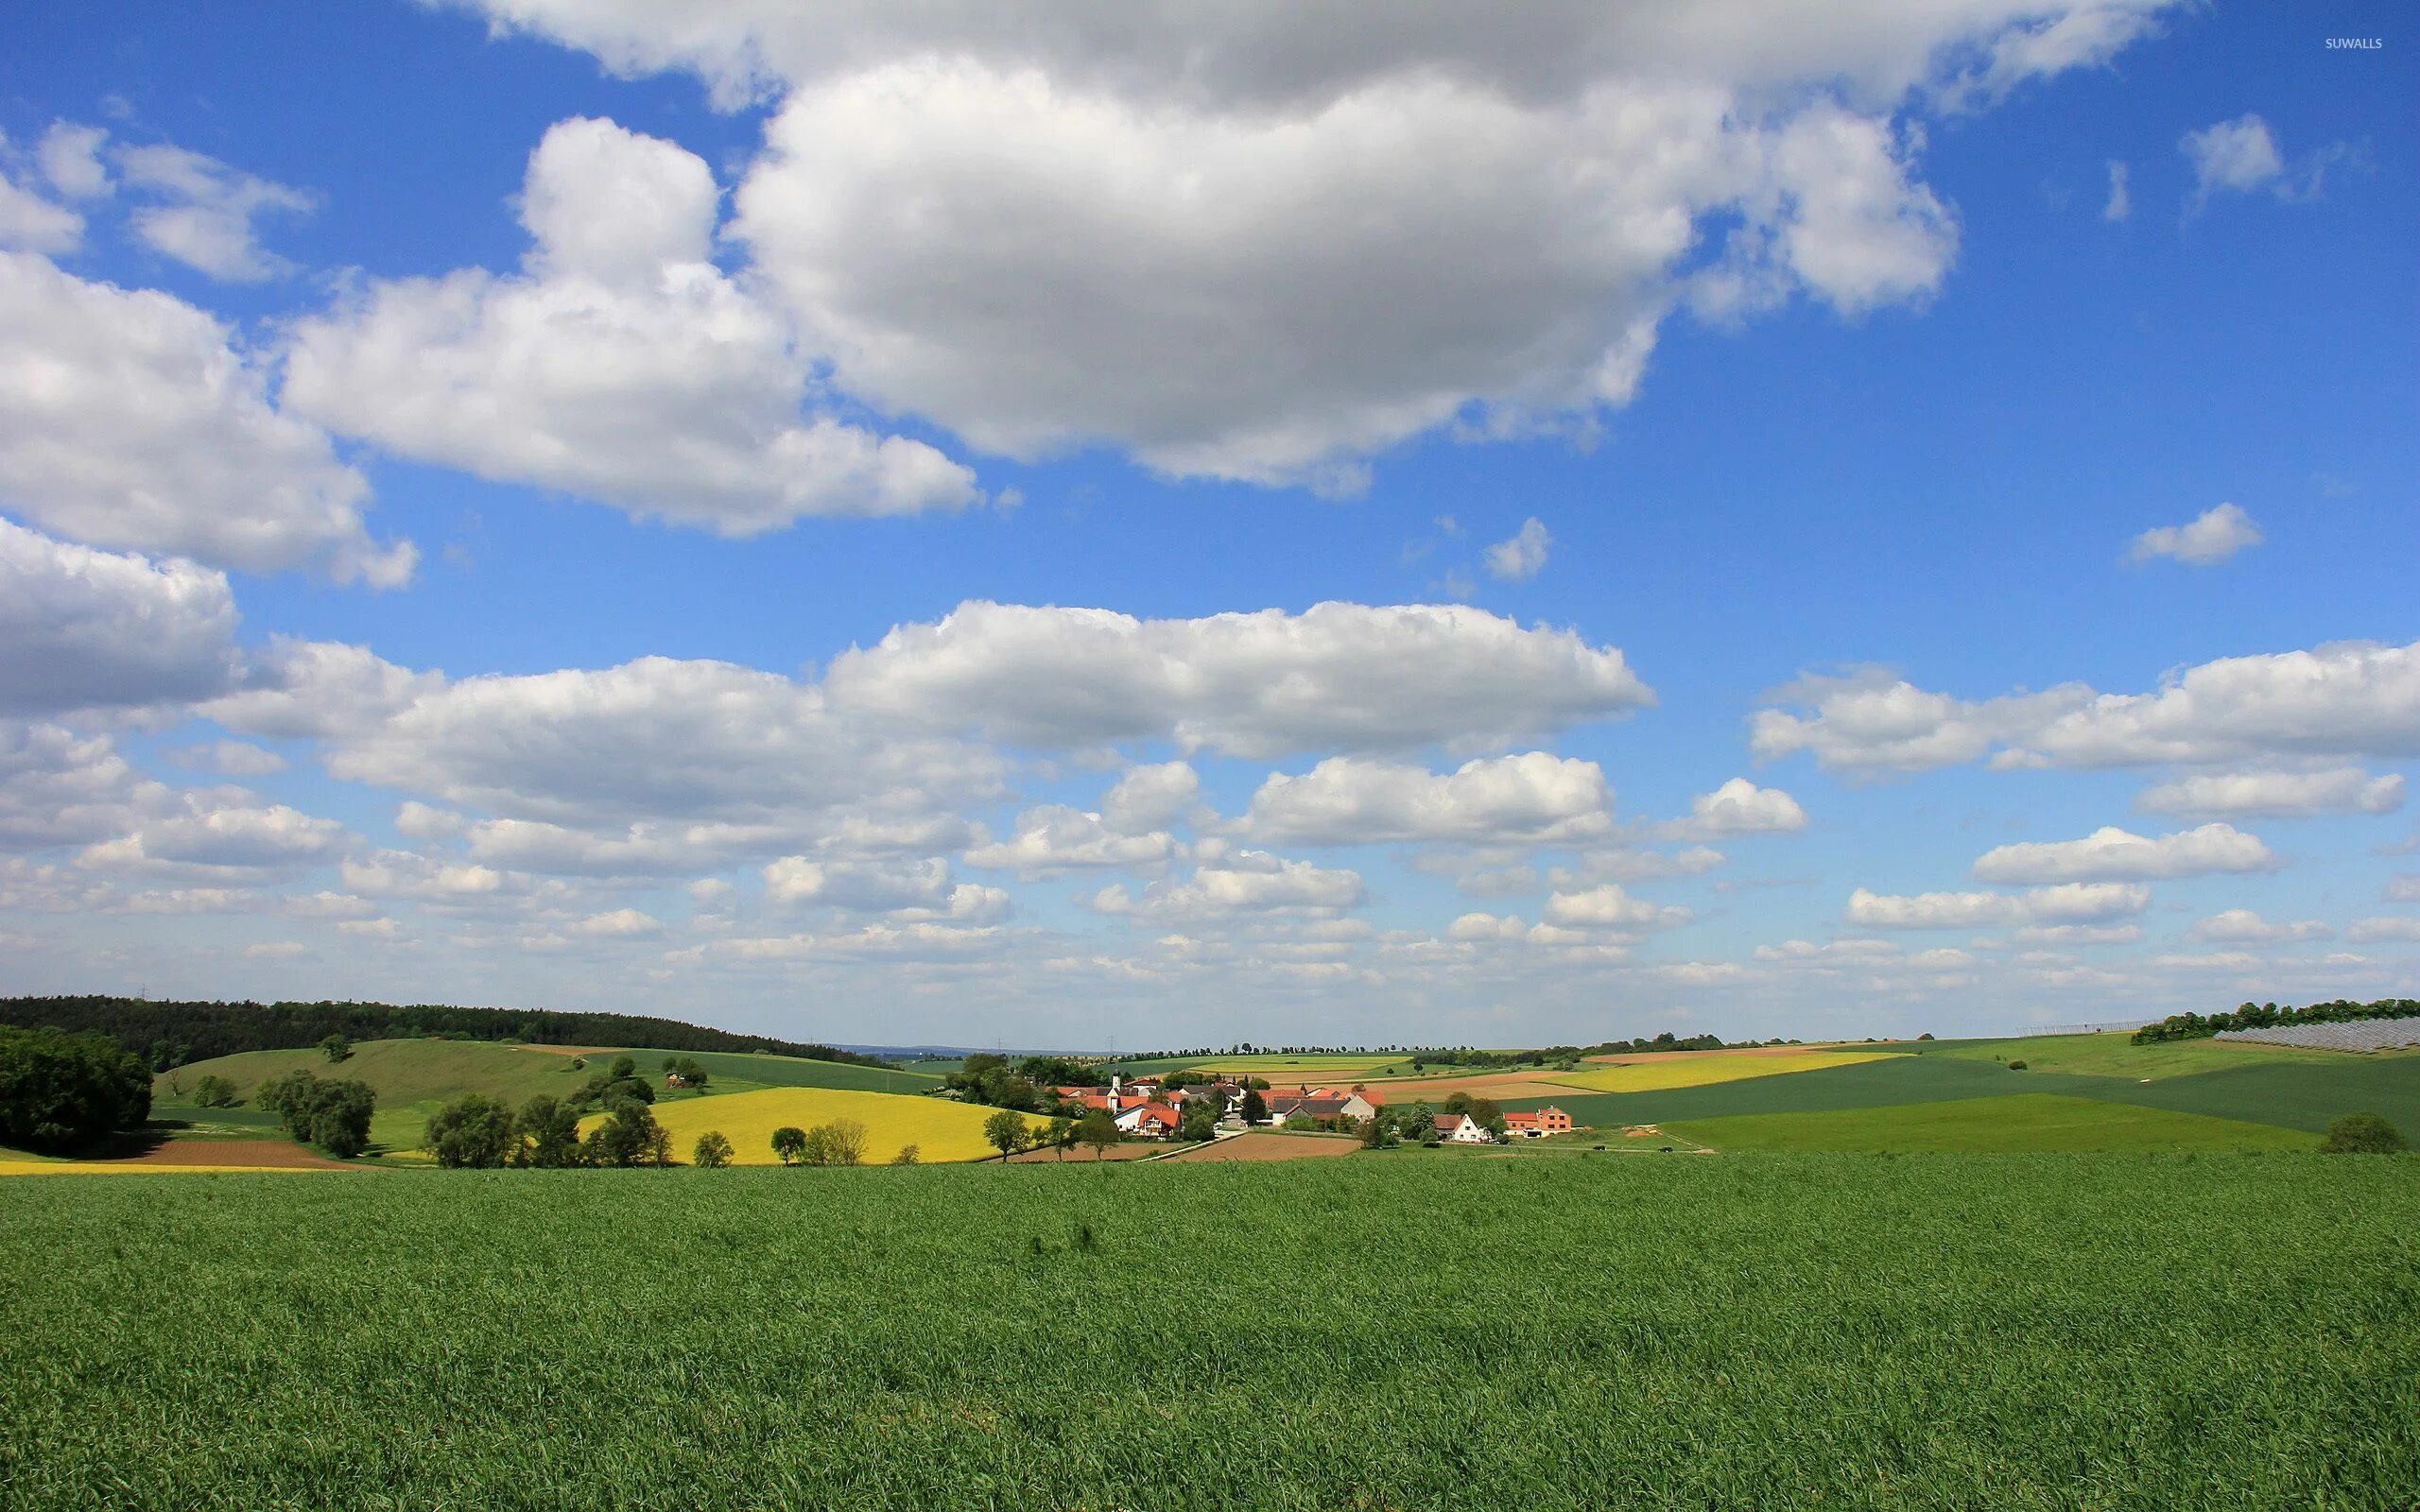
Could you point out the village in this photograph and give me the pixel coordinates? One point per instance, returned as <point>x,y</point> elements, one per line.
<point>1161,1108</point>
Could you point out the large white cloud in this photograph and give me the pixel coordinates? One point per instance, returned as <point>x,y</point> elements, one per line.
<point>1532,799</point>
<point>59,786</point>
<point>1246,881</point>
<point>2111,854</point>
<point>222,832</point>
<point>1737,807</point>
<point>903,889</point>
<point>1262,242</point>
<point>1337,677</point>
<point>1053,839</point>
<point>2344,699</point>
<point>132,419</point>
<point>2274,795</point>
<point>620,365</point>
<point>81,628</point>
<point>1609,908</point>
<point>2071,902</point>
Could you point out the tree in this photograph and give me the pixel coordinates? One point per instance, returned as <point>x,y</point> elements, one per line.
<point>1005,1131</point>
<point>1098,1130</point>
<point>1061,1135</point>
<point>909,1155</point>
<point>629,1135</point>
<point>472,1131</point>
<point>842,1142</point>
<point>334,1116</point>
<point>1256,1108</point>
<point>712,1151</point>
<point>789,1144</point>
<point>548,1134</point>
<point>337,1048</point>
<point>2363,1134</point>
<point>213,1090</point>
<point>623,1066</point>
<point>61,1092</point>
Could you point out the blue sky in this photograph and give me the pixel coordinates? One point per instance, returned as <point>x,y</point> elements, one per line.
<point>982,525</point>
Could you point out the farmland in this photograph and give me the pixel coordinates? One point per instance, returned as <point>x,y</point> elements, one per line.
<point>1704,1069</point>
<point>941,1130</point>
<point>2029,1121</point>
<point>2025,1331</point>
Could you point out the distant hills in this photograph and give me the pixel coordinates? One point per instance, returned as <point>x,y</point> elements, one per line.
<point>169,1032</point>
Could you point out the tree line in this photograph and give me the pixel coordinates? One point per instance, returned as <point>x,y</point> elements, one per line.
<point>2270,1016</point>
<point>61,1094</point>
<point>169,1034</point>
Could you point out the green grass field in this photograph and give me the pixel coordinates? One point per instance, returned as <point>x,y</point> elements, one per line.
<point>731,1069</point>
<point>2102,1333</point>
<point>2114,1054</point>
<point>2031,1122</point>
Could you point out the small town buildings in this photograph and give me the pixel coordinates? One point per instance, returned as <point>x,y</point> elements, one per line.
<point>1546,1121</point>
<point>1147,1120</point>
<point>1461,1128</point>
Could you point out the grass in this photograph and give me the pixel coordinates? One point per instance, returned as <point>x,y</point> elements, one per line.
<point>1705,1069</point>
<point>738,1072</point>
<point>2017,1332</point>
<point>1877,1083</point>
<point>2298,1095</point>
<point>941,1130</point>
<point>2112,1055</point>
<point>413,1078</point>
<point>2025,1123</point>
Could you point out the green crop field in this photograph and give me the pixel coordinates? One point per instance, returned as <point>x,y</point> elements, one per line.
<point>1993,1125</point>
<point>2114,1054</point>
<point>2028,1332</point>
<point>730,1069</point>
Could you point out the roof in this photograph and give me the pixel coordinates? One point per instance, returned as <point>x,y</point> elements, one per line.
<point>1448,1123</point>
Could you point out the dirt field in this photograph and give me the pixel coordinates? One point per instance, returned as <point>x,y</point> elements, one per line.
<point>1272,1147</point>
<point>1082,1154</point>
<point>281,1153</point>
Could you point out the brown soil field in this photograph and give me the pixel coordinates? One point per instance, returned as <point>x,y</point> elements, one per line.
<point>280,1154</point>
<point>1082,1154</point>
<point>1272,1147</point>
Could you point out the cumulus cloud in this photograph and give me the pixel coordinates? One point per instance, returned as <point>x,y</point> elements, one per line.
<point>134,420</point>
<point>2347,700</point>
<point>905,890</point>
<point>1737,807</point>
<point>2365,930</point>
<point>235,758</point>
<point>2205,540</point>
<point>221,832</point>
<point>2274,795</point>
<point>1150,798</point>
<point>2067,904</point>
<point>620,365</point>
<point>61,787</point>
<point>81,628</point>
<point>1246,881</point>
<point>1337,677</point>
<point>1532,799</point>
<point>1522,557</point>
<point>204,211</point>
<point>70,155</point>
<point>2238,155</point>
<point>1053,839</point>
<point>2241,926</point>
<point>1608,908</point>
<point>1382,222</point>
<point>29,221</point>
<point>2111,854</point>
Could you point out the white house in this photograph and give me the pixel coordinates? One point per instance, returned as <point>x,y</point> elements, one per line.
<point>1461,1128</point>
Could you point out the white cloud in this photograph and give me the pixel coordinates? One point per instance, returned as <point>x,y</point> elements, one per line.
<point>620,365</point>
<point>403,874</point>
<point>70,156</point>
<point>132,419</point>
<point>2111,854</point>
<point>221,832</point>
<point>1520,557</point>
<point>2241,926</point>
<point>2208,539</point>
<point>1052,839</point>
<point>81,628</point>
<point>2120,203</point>
<point>1246,881</point>
<point>2347,700</point>
<point>1150,798</point>
<point>620,924</point>
<point>2069,904</point>
<point>61,787</point>
<point>2364,931</point>
<point>32,223</point>
<point>1532,799</point>
<point>1737,807</point>
<point>1337,677</point>
<point>2078,935</point>
<point>905,890</point>
<point>206,220</point>
<point>1381,221</point>
<point>2276,795</point>
<point>1608,908</point>
<point>2238,155</point>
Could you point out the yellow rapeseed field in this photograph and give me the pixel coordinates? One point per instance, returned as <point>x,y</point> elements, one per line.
<point>1703,1067</point>
<point>941,1130</point>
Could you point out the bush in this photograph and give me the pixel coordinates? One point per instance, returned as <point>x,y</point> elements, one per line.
<point>2363,1134</point>
<point>213,1092</point>
<point>334,1116</point>
<point>713,1151</point>
<point>2016,1065</point>
<point>909,1155</point>
<point>61,1092</point>
<point>472,1131</point>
